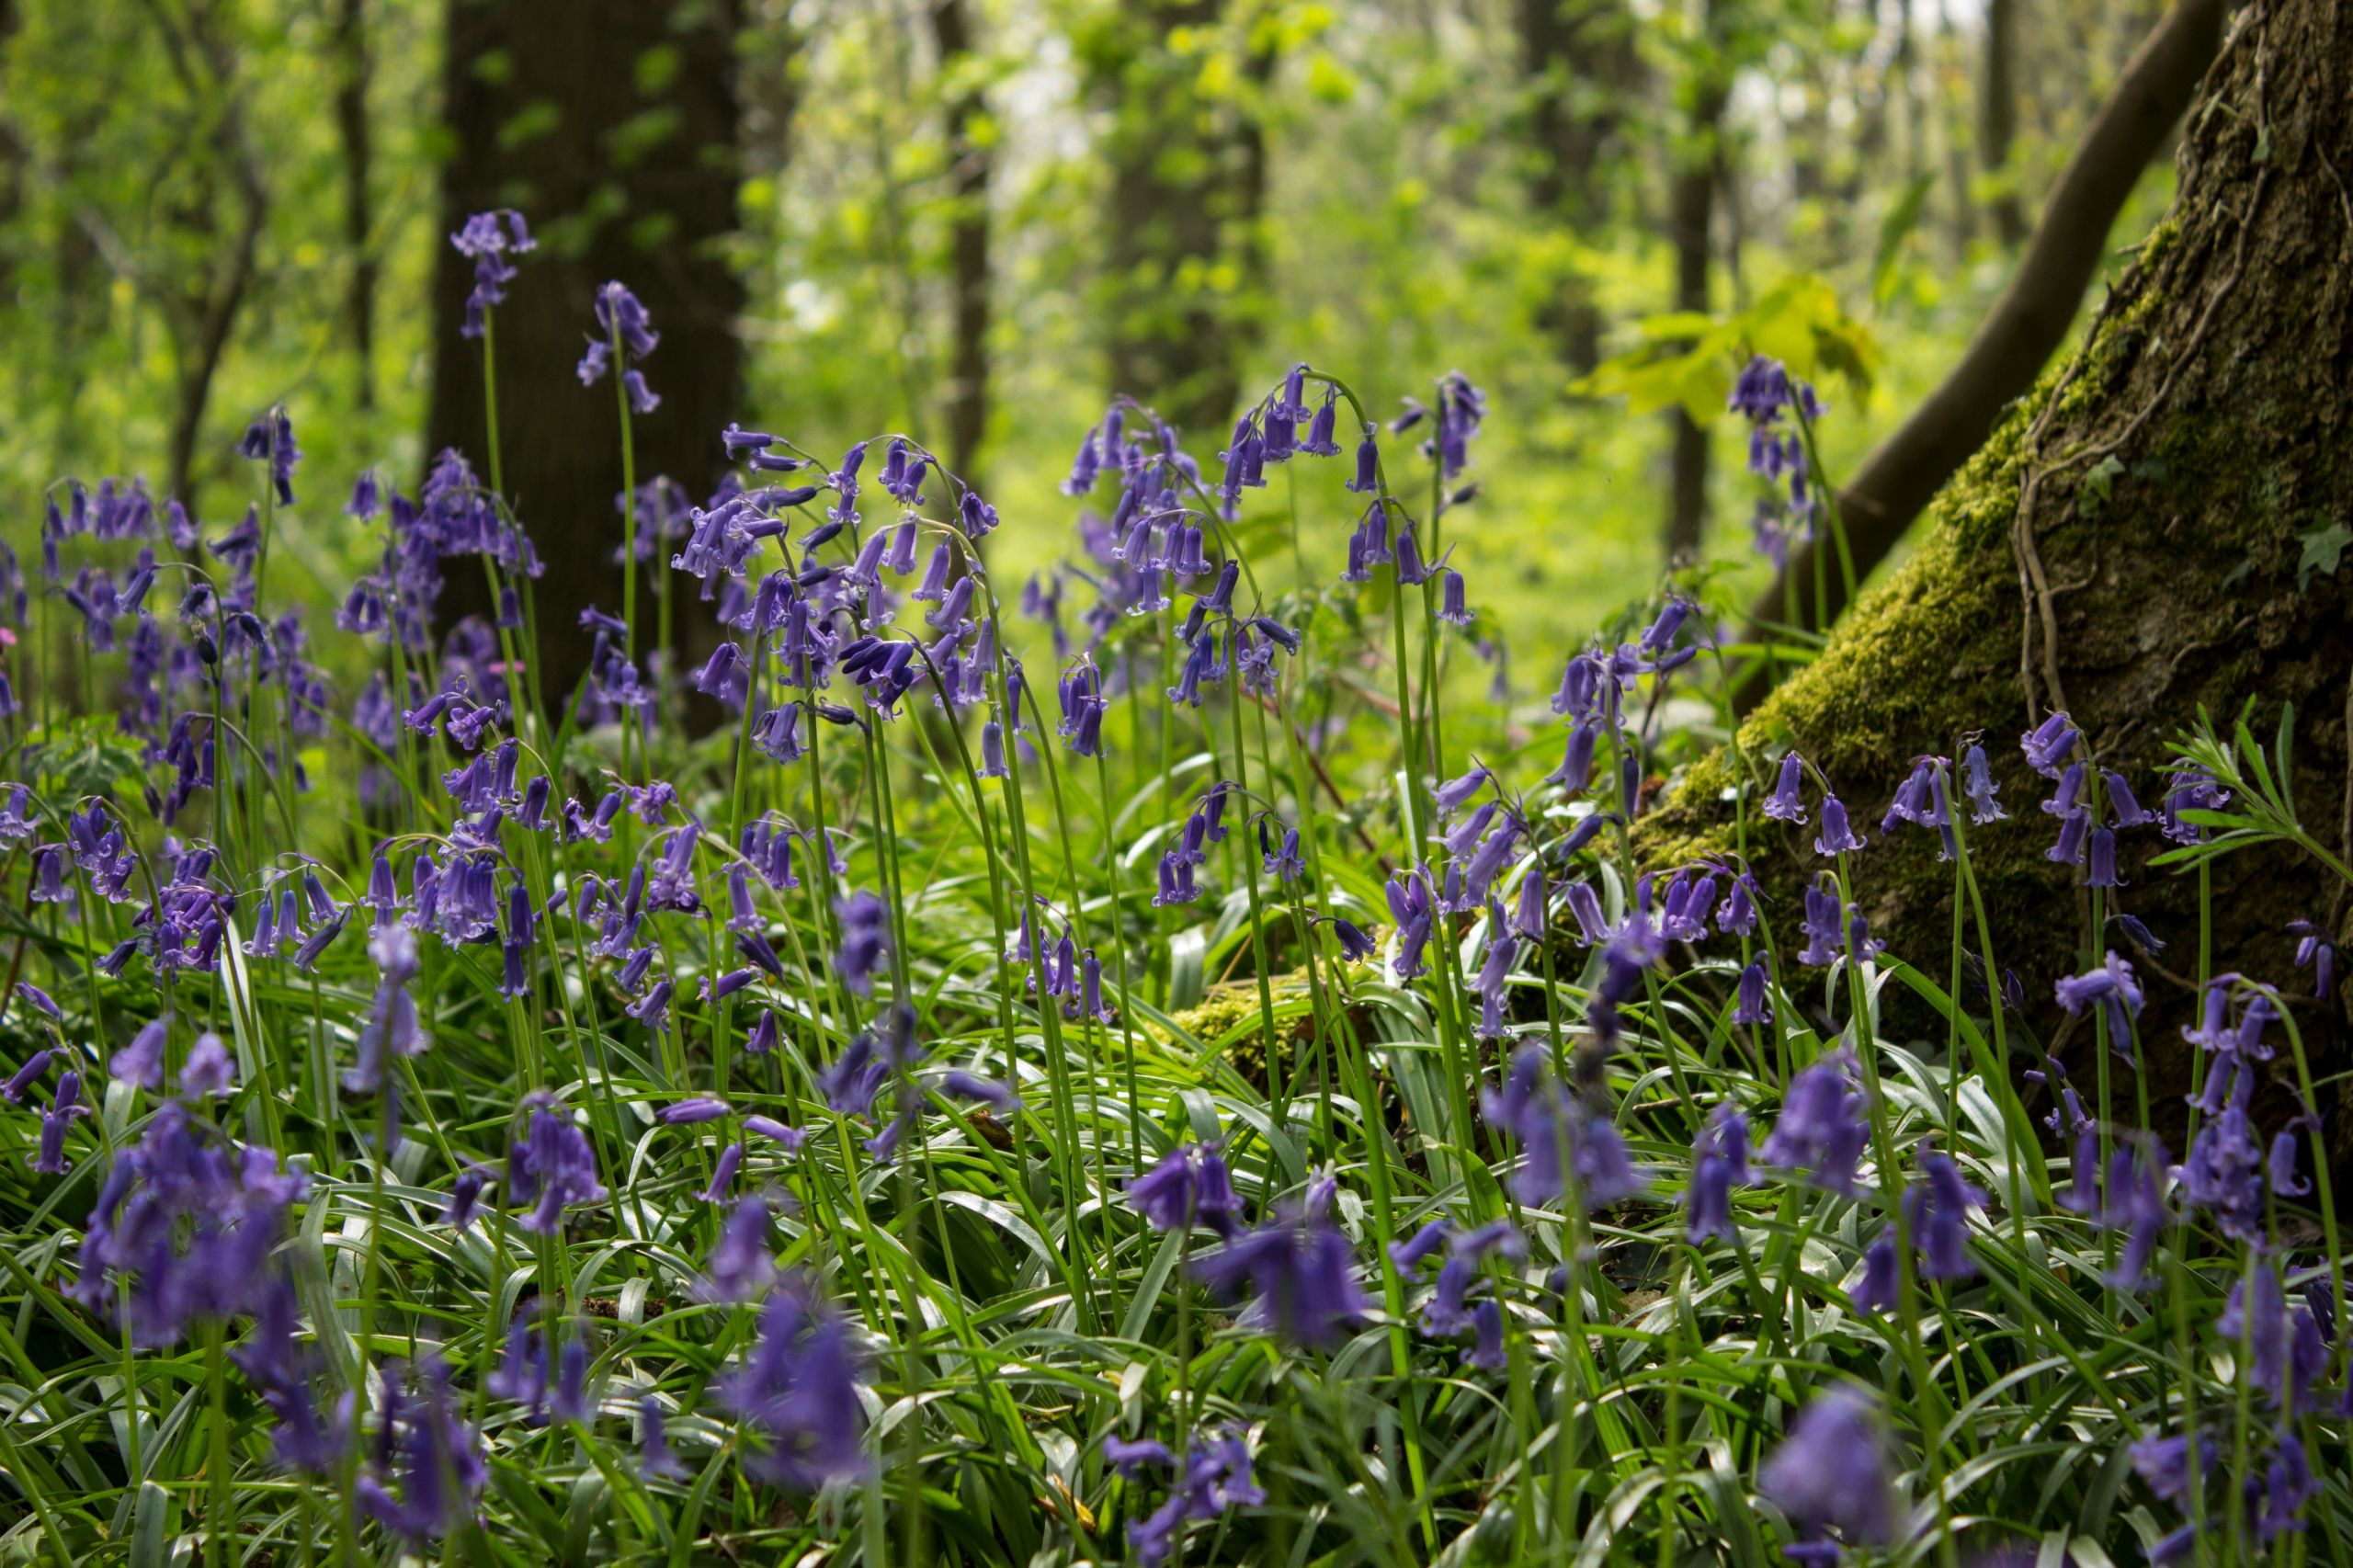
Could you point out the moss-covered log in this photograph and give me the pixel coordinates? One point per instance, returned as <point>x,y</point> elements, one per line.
<point>2130,544</point>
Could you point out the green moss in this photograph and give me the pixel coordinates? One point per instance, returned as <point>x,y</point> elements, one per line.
<point>1843,711</point>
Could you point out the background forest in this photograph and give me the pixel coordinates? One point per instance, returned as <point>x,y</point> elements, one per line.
<point>971,219</point>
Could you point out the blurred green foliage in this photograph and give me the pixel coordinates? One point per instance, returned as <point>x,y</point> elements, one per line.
<point>1396,237</point>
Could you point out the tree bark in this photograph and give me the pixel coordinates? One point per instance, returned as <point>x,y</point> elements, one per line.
<point>350,32</point>
<point>1691,217</point>
<point>1997,122</point>
<point>2129,546</point>
<point>1188,180</point>
<point>1579,56</point>
<point>611,124</point>
<point>2026,324</point>
<point>968,183</point>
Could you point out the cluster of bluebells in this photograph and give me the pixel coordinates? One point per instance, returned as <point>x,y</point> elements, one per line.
<point>838,623</point>
<point>1781,411</point>
<point>1209,1478</point>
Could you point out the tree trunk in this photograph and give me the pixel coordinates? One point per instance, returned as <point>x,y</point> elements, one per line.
<point>1883,496</point>
<point>13,160</point>
<point>1690,217</point>
<point>2129,546</point>
<point>1186,190</point>
<point>611,124</point>
<point>1961,212</point>
<point>358,206</point>
<point>1579,55</point>
<point>968,184</point>
<point>1998,123</point>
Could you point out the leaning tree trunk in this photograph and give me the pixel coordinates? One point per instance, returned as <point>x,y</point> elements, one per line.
<point>612,127</point>
<point>2129,546</point>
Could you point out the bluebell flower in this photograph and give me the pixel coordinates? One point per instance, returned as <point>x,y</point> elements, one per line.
<point>2225,1171</point>
<point>2255,1321</point>
<point>422,1447</point>
<point>487,239</point>
<point>1937,1210</point>
<point>1408,1253</point>
<point>1787,802</point>
<point>2288,1485</point>
<point>1486,1351</point>
<point>2189,789</point>
<point>1356,943</point>
<point>551,1169</point>
<point>1131,1457</point>
<point>1977,783</point>
<point>2113,988</point>
<point>24,1077</point>
<point>2135,1204</point>
<point>1303,1273</point>
<point>282,1372</point>
<point>655,1458</point>
<point>2049,745</point>
<point>209,1071</point>
<point>1876,1291</point>
<point>2162,1461</point>
<point>1414,908</point>
<point>865,939</point>
<point>270,438</point>
<point>741,1267</point>
<point>2317,951</point>
<point>465,1198</point>
<point>65,1108</point>
<point>1753,998</point>
<point>1452,608</point>
<point>1830,1473</point>
<point>1823,1126</point>
<point>1720,1161</point>
<point>797,1390</point>
<point>1823,922</point>
<point>1836,836</point>
<point>1189,1186</point>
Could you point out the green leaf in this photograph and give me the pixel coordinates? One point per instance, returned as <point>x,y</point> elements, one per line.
<point>2324,549</point>
<point>1903,217</point>
<point>2091,495</point>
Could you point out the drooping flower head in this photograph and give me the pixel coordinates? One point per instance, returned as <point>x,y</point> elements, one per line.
<point>2113,988</point>
<point>1830,1473</point>
<point>1303,1274</point>
<point>488,239</point>
<point>796,1389</point>
<point>1189,1186</point>
<point>551,1169</point>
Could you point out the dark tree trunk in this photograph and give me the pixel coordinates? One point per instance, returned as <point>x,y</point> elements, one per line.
<point>611,124</point>
<point>1188,180</point>
<point>1997,116</point>
<point>2130,546</point>
<point>359,204</point>
<point>1691,219</point>
<point>968,278</point>
<point>13,162</point>
<point>1579,56</point>
<point>203,314</point>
